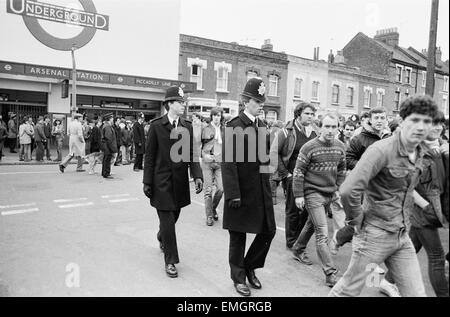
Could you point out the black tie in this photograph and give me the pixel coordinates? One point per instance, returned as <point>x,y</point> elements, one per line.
<point>174,124</point>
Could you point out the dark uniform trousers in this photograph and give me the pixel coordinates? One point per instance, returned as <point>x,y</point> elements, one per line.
<point>295,218</point>
<point>138,161</point>
<point>167,234</point>
<point>106,163</point>
<point>255,257</point>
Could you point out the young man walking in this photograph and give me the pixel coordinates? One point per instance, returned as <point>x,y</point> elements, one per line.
<point>387,174</point>
<point>318,173</point>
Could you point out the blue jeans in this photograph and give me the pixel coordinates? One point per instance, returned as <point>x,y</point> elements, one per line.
<point>212,175</point>
<point>373,246</point>
<point>317,223</point>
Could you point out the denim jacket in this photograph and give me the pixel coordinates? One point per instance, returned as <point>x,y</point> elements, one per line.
<point>387,178</point>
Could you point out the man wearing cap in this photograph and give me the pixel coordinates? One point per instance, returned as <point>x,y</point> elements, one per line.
<point>76,144</point>
<point>139,143</point>
<point>166,181</point>
<point>109,143</point>
<point>248,198</point>
<point>40,139</point>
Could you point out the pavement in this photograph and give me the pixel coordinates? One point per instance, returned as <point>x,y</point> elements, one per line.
<point>13,158</point>
<point>75,234</point>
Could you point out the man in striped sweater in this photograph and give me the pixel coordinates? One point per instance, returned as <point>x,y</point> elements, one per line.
<point>319,171</point>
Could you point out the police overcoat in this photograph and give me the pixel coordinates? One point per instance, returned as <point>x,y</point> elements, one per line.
<point>243,179</point>
<point>168,179</point>
<point>139,138</point>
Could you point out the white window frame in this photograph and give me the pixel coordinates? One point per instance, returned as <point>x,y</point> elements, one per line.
<point>227,68</point>
<point>424,79</point>
<point>370,91</point>
<point>445,104</point>
<point>399,93</point>
<point>445,88</point>
<point>271,115</point>
<point>273,80</point>
<point>315,98</point>
<point>410,75</point>
<point>333,86</point>
<point>202,64</point>
<point>397,67</point>
<point>380,93</point>
<point>348,94</point>
<point>300,92</point>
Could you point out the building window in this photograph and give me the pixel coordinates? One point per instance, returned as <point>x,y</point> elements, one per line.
<point>251,74</point>
<point>335,94</point>
<point>399,74</point>
<point>397,101</point>
<point>445,84</point>
<point>424,79</point>
<point>271,116</point>
<point>408,72</point>
<point>367,97</point>
<point>350,95</point>
<point>380,97</point>
<point>222,79</point>
<point>315,91</point>
<point>196,75</point>
<point>445,105</point>
<point>273,85</point>
<point>298,88</point>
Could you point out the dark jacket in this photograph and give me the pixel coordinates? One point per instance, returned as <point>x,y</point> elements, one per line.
<point>109,139</point>
<point>125,137</point>
<point>387,178</point>
<point>360,143</point>
<point>281,150</point>
<point>48,130</point>
<point>3,133</point>
<point>39,134</point>
<point>169,180</point>
<point>96,139</point>
<point>431,187</point>
<point>118,138</point>
<point>246,180</point>
<point>139,138</point>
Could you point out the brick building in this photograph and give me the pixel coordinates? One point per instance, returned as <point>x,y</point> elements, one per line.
<point>222,69</point>
<point>404,68</point>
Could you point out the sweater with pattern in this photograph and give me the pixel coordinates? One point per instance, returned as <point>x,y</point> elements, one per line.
<point>320,168</point>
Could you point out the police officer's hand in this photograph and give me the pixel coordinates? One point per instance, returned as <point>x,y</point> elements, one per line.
<point>148,190</point>
<point>235,203</point>
<point>300,202</point>
<point>198,185</point>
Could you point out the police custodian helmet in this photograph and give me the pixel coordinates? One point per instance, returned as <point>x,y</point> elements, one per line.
<point>174,93</point>
<point>255,89</point>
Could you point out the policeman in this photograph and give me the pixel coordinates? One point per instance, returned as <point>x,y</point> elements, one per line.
<point>109,143</point>
<point>248,197</point>
<point>166,181</point>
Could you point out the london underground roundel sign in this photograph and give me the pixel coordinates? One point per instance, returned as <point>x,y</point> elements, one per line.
<point>89,19</point>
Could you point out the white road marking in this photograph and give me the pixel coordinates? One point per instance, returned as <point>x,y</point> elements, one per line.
<point>68,200</point>
<point>201,204</point>
<point>76,205</point>
<point>122,200</point>
<point>21,211</point>
<point>113,196</point>
<point>15,173</point>
<point>15,206</point>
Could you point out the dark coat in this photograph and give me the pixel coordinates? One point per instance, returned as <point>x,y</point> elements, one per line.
<point>118,138</point>
<point>139,138</point>
<point>109,139</point>
<point>245,181</point>
<point>96,140</point>
<point>359,144</point>
<point>3,133</point>
<point>39,134</point>
<point>125,136</point>
<point>48,130</point>
<point>169,180</point>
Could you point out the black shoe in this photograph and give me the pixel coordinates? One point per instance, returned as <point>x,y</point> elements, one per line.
<point>242,289</point>
<point>171,270</point>
<point>253,280</point>
<point>61,168</point>
<point>331,279</point>
<point>108,177</point>
<point>136,169</point>
<point>81,170</point>
<point>302,258</point>
<point>12,151</point>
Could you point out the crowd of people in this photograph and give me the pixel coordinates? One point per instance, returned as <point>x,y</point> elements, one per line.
<point>383,183</point>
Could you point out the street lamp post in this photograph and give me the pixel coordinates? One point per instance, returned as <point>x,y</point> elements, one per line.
<point>73,107</point>
<point>431,63</point>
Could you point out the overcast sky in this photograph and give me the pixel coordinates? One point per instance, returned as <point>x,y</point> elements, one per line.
<point>297,26</point>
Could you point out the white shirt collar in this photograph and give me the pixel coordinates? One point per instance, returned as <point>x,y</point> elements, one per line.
<point>171,119</point>
<point>251,117</point>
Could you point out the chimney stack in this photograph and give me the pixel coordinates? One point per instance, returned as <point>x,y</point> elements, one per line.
<point>267,46</point>
<point>425,52</point>
<point>389,36</point>
<point>339,59</point>
<point>316,54</point>
<point>331,57</point>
